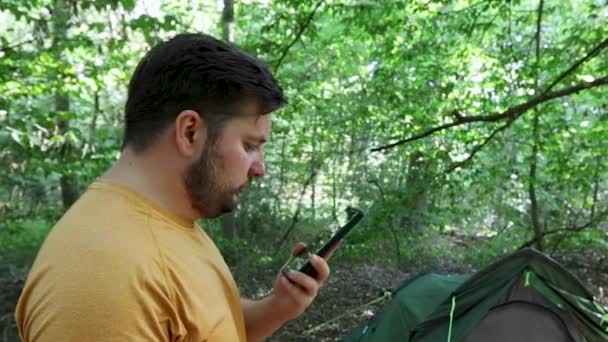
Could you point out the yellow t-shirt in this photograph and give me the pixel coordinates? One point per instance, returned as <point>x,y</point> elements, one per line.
<point>117,267</point>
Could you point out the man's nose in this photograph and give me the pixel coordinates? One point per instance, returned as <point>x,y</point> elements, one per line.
<point>257,169</point>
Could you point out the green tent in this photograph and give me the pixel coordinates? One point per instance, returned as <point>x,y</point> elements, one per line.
<point>524,297</point>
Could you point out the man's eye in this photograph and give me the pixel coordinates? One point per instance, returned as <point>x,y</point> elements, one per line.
<point>249,147</point>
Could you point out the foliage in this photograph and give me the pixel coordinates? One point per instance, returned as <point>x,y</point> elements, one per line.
<point>360,75</point>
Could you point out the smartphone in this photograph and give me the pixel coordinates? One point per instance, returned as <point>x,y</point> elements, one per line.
<point>354,217</point>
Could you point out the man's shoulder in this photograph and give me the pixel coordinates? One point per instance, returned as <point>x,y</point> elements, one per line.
<point>99,205</point>
<point>102,227</point>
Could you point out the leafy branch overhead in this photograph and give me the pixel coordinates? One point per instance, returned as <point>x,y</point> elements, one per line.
<point>303,27</point>
<point>514,112</point>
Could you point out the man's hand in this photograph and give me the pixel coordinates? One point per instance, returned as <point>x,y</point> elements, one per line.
<point>288,300</point>
<point>294,291</point>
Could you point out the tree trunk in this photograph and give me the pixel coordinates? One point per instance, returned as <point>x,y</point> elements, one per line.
<point>227,20</point>
<point>228,220</point>
<point>69,192</point>
<point>281,176</point>
<point>536,226</point>
<point>314,161</point>
<point>534,208</point>
<point>334,191</point>
<point>416,184</point>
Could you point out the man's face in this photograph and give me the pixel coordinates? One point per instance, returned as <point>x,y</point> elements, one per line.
<point>227,166</point>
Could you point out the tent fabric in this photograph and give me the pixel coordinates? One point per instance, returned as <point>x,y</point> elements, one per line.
<point>489,304</point>
<point>407,310</point>
<point>533,322</point>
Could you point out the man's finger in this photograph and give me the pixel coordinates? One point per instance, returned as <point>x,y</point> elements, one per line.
<point>305,283</point>
<point>321,267</point>
<point>298,249</point>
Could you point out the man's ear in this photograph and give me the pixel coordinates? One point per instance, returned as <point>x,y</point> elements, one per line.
<point>190,133</point>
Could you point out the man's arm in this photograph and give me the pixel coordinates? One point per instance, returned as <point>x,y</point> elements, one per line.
<point>288,301</point>
<point>260,322</point>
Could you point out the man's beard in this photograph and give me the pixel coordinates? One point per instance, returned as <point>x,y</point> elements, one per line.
<point>208,195</point>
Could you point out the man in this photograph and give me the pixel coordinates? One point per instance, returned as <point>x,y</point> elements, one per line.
<point>127,262</point>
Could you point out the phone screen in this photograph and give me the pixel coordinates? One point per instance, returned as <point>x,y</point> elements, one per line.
<point>354,217</point>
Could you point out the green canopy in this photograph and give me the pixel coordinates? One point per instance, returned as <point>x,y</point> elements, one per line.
<point>526,296</point>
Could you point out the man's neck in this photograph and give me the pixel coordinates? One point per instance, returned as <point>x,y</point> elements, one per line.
<point>159,181</point>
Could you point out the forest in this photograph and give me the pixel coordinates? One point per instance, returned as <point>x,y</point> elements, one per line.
<point>465,130</point>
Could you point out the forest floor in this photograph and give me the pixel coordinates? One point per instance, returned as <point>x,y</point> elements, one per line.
<point>349,286</point>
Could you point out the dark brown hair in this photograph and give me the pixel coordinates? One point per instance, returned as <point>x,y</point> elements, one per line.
<point>197,72</point>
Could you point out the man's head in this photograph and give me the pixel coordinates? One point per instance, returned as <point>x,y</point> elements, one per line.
<point>210,101</point>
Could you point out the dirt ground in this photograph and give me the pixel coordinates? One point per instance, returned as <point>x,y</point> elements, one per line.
<point>348,288</point>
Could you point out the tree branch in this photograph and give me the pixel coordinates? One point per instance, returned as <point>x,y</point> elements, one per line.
<point>296,216</point>
<point>597,219</point>
<point>298,34</point>
<point>596,268</point>
<point>594,52</point>
<point>12,47</point>
<point>539,17</point>
<point>515,110</point>
<point>466,8</point>
<point>511,113</point>
<point>591,213</point>
<point>477,148</point>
